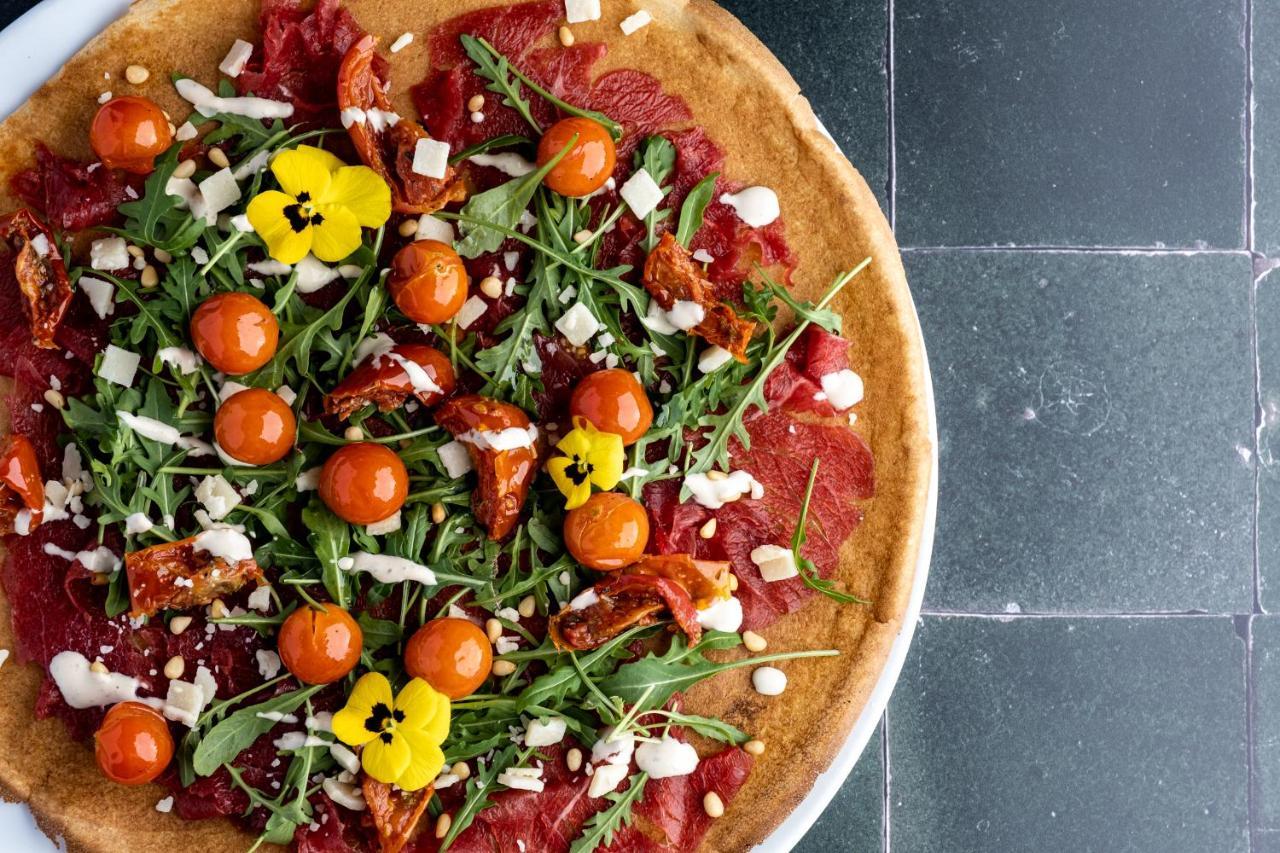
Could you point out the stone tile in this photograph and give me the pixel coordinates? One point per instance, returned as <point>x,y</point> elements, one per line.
<point>1095,416</point>
<point>854,821</point>
<point>1266,126</point>
<point>1102,122</point>
<point>1266,731</point>
<point>1268,312</point>
<point>836,52</point>
<point>1070,734</point>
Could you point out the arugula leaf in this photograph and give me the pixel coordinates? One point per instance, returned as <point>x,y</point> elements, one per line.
<point>808,571</point>
<point>378,632</point>
<point>155,219</point>
<point>599,830</point>
<point>500,207</point>
<point>233,735</point>
<point>477,799</point>
<point>330,537</point>
<point>657,156</point>
<point>694,207</point>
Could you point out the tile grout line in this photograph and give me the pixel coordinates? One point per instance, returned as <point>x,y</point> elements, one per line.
<point>886,790</point>
<point>1250,237</point>
<point>891,200</point>
<point>1082,250</point>
<point>1016,617</point>
<point>1251,803</point>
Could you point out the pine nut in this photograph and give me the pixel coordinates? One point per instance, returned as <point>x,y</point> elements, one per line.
<point>713,805</point>
<point>218,157</point>
<point>573,760</point>
<point>408,228</point>
<point>173,669</point>
<point>754,642</point>
<point>136,74</point>
<point>135,251</point>
<point>149,277</point>
<point>353,433</point>
<point>173,130</point>
<point>462,770</point>
<point>55,398</point>
<point>566,36</point>
<point>717,475</point>
<point>754,747</point>
<point>493,629</point>
<point>178,624</point>
<point>162,256</point>
<point>476,104</point>
<point>583,237</point>
<point>185,169</point>
<point>503,668</point>
<point>709,529</point>
<point>442,825</point>
<point>527,607</point>
<point>437,512</point>
<point>491,286</point>
<point>99,667</point>
<point>733,582</point>
<point>218,610</point>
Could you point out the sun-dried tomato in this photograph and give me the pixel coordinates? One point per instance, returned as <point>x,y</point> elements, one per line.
<point>384,380</point>
<point>21,486</point>
<point>503,476</point>
<point>395,812</point>
<point>389,148</point>
<point>704,580</point>
<point>671,275</point>
<point>175,576</point>
<point>41,273</point>
<point>622,602</point>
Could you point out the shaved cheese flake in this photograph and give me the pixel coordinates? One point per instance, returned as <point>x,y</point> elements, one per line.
<point>236,58</point>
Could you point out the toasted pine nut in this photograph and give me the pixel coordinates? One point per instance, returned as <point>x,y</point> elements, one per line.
<point>713,805</point>
<point>583,237</point>
<point>733,582</point>
<point>162,256</point>
<point>408,228</point>
<point>503,668</point>
<point>185,169</point>
<point>442,825</point>
<point>55,398</point>
<point>437,512</point>
<point>178,624</point>
<point>353,433</point>
<point>754,747</point>
<point>573,760</point>
<point>462,770</point>
<point>218,610</point>
<point>754,642</point>
<point>527,607</point>
<point>717,475</point>
<point>98,667</point>
<point>491,286</point>
<point>476,104</point>
<point>709,529</point>
<point>136,74</point>
<point>135,251</point>
<point>173,669</point>
<point>218,157</point>
<point>566,36</point>
<point>149,277</point>
<point>492,630</point>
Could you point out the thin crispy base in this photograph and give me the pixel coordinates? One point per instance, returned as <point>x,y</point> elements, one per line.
<point>754,109</point>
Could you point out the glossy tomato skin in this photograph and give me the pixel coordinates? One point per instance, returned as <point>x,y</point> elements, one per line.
<point>319,647</point>
<point>364,483</point>
<point>452,655</point>
<point>133,745</point>
<point>587,166</point>
<point>129,132</point>
<point>255,426</point>
<point>613,401</point>
<point>608,532</point>
<point>428,281</point>
<point>235,332</point>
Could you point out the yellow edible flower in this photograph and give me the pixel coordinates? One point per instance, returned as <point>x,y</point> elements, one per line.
<point>591,457</point>
<point>323,205</point>
<point>401,737</point>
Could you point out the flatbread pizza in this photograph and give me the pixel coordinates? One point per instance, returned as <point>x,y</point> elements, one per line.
<point>442,425</point>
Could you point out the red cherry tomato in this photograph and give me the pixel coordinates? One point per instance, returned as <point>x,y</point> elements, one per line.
<point>133,745</point>
<point>608,532</point>
<point>320,646</point>
<point>587,165</point>
<point>255,426</point>
<point>235,332</point>
<point>613,401</point>
<point>129,133</point>
<point>452,655</point>
<point>21,485</point>
<point>428,281</point>
<point>364,483</point>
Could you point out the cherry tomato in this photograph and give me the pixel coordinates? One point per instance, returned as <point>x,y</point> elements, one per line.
<point>129,133</point>
<point>133,745</point>
<point>255,426</point>
<point>613,401</point>
<point>608,532</point>
<point>452,655</point>
<point>587,165</point>
<point>364,483</point>
<point>428,281</point>
<point>319,647</point>
<point>235,332</point>
<point>20,482</point>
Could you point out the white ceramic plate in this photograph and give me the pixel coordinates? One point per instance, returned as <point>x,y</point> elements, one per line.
<point>36,45</point>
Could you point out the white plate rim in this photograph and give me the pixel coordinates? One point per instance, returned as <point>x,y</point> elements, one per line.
<point>32,49</point>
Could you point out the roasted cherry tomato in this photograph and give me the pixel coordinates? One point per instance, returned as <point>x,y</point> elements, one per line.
<point>385,381</point>
<point>255,426</point>
<point>613,401</point>
<point>133,745</point>
<point>428,281</point>
<point>587,165</point>
<point>364,483</point>
<point>608,532</point>
<point>235,332</point>
<point>129,133</point>
<point>452,655</point>
<point>319,647</point>
<point>21,486</point>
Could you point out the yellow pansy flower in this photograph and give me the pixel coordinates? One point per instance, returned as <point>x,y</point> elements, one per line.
<point>322,208</point>
<point>400,737</point>
<point>590,457</point>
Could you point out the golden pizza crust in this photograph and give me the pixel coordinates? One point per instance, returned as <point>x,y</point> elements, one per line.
<point>753,108</point>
